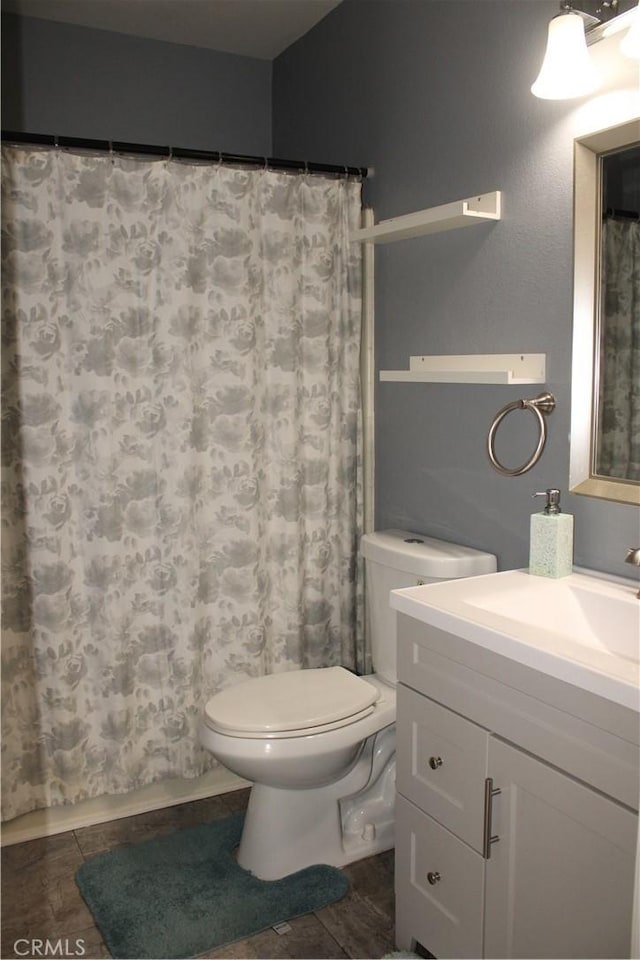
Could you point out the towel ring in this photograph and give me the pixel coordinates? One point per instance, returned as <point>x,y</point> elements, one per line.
<point>540,406</point>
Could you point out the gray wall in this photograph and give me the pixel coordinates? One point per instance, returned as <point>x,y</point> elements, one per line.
<point>434,95</point>
<point>58,78</point>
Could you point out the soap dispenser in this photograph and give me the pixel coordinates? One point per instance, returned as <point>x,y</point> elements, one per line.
<point>551,539</point>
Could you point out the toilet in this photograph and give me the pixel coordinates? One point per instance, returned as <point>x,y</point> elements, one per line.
<point>319,744</point>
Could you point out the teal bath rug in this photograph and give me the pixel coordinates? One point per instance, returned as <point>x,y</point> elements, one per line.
<point>184,894</point>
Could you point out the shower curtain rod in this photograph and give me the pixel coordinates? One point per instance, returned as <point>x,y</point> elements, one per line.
<point>182,153</point>
<point>613,213</point>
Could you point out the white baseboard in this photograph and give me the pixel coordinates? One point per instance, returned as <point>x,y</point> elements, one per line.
<point>168,793</point>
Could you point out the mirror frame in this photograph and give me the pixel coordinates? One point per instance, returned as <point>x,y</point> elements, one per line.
<point>586,275</point>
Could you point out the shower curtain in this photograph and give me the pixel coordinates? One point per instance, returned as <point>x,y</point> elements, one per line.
<point>618,440</point>
<point>181,455</point>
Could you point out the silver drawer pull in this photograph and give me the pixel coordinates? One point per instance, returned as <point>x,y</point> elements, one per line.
<point>433,877</point>
<point>489,793</point>
<point>435,762</point>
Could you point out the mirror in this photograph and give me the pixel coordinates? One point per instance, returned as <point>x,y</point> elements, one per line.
<point>605,397</point>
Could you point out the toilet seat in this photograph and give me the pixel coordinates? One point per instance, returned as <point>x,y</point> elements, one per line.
<point>293,704</point>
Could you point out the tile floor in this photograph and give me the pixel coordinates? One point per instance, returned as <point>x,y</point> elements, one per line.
<point>40,899</point>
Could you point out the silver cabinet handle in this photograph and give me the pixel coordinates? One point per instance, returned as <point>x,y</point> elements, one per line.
<point>433,877</point>
<point>435,762</point>
<point>489,793</point>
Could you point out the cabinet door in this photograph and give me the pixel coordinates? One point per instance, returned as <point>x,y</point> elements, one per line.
<point>441,764</point>
<point>439,887</point>
<point>559,882</point>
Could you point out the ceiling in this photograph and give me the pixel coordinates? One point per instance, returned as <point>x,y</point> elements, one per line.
<point>252,28</point>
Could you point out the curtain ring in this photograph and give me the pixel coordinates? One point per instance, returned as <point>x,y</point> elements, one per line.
<point>541,406</point>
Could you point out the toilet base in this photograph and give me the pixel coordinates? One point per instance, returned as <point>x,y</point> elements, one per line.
<point>349,819</point>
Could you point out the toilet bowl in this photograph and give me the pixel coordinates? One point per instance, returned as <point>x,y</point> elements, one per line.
<point>312,783</point>
<point>319,744</point>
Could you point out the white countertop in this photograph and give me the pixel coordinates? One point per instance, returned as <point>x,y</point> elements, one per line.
<point>583,629</point>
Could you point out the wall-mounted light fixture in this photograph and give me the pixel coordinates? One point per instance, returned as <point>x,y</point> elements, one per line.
<point>628,22</point>
<point>566,70</point>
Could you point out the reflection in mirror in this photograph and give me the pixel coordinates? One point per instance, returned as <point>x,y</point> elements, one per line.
<point>605,408</point>
<point>617,438</point>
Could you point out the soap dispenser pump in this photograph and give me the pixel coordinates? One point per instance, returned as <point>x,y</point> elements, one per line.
<point>551,539</point>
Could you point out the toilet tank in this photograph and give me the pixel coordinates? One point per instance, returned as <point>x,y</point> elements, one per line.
<point>399,558</point>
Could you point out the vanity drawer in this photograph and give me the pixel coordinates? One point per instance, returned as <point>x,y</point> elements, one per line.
<point>442,764</point>
<point>439,887</point>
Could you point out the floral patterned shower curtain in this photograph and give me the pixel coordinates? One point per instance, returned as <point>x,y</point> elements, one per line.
<point>181,473</point>
<point>618,435</point>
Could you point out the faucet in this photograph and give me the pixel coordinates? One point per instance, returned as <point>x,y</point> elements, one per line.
<point>633,556</point>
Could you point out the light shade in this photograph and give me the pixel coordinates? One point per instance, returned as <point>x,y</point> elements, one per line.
<point>630,44</point>
<point>629,22</point>
<point>566,70</point>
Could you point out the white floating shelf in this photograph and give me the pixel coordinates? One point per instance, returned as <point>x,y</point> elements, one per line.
<point>461,213</point>
<point>473,368</point>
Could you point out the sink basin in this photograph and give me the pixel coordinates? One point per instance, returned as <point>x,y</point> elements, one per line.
<point>583,629</point>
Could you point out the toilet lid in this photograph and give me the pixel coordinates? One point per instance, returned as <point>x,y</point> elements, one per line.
<point>293,701</point>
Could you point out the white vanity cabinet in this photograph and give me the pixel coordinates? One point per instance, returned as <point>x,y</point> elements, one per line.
<point>560,880</point>
<point>516,811</point>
